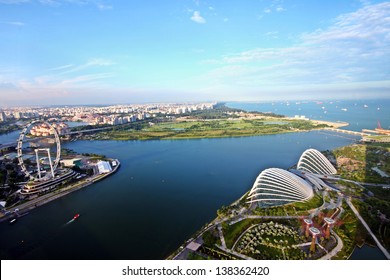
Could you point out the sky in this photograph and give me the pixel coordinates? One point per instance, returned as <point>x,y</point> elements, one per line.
<point>112,51</point>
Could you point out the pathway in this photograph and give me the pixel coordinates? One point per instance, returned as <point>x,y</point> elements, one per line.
<point>383,249</point>
<point>234,253</point>
<point>221,236</point>
<point>335,250</point>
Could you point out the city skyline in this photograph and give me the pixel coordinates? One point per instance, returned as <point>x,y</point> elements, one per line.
<point>105,52</point>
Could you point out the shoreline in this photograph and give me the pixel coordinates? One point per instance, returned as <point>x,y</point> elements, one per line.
<point>39,201</point>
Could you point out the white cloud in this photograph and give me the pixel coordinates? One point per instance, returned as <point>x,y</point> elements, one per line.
<point>365,2</point>
<point>62,67</point>
<point>52,3</point>
<point>197,17</point>
<point>267,10</point>
<point>13,1</point>
<point>86,79</point>
<point>55,3</point>
<point>272,34</point>
<point>100,62</point>
<point>280,8</point>
<point>16,23</point>
<point>352,50</point>
<point>104,7</point>
<point>94,62</point>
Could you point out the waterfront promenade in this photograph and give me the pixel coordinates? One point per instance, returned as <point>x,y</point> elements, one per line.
<point>21,209</point>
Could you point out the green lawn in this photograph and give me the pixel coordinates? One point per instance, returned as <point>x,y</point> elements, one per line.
<point>231,233</point>
<point>209,129</point>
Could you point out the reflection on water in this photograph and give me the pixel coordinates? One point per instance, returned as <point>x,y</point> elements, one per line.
<point>367,253</point>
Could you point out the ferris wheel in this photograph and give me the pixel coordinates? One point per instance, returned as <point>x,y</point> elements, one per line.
<point>53,164</point>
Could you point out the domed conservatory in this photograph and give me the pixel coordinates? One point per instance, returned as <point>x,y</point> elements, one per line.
<point>275,186</point>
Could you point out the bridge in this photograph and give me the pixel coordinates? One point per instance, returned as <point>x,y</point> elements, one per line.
<point>347,131</point>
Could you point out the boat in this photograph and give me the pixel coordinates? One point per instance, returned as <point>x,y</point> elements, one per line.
<point>365,106</point>
<point>12,221</point>
<point>76,216</point>
<point>344,109</point>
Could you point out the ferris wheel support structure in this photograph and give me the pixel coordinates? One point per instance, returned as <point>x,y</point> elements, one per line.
<point>19,148</point>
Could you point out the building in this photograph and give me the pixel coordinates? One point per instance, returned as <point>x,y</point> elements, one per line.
<point>315,162</point>
<point>104,167</point>
<point>3,118</point>
<point>275,186</point>
<point>71,162</point>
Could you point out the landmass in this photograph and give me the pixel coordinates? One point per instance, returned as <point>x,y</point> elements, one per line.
<point>358,202</point>
<point>220,121</point>
<point>15,190</point>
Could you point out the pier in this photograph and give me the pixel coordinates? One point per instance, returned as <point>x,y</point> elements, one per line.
<point>347,131</point>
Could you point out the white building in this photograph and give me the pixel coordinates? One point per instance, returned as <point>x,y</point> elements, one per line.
<point>104,167</point>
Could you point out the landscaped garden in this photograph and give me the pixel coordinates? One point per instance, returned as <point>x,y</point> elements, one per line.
<point>271,240</point>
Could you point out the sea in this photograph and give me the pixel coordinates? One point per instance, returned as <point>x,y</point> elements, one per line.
<point>360,114</point>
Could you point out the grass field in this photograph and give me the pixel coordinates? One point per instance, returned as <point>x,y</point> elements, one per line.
<point>210,129</point>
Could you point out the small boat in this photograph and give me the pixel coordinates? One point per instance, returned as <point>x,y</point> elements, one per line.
<point>344,109</point>
<point>76,216</point>
<point>365,106</point>
<point>12,221</point>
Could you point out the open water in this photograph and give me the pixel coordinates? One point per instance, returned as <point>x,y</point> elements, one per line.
<point>360,114</point>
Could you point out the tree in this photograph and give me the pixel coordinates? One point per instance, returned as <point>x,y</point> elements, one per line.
<point>9,166</point>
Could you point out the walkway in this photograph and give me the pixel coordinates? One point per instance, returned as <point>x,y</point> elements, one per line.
<point>262,217</point>
<point>221,236</point>
<point>335,250</point>
<point>234,253</point>
<point>383,249</point>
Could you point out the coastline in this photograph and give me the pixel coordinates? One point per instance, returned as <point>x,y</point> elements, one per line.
<point>23,209</point>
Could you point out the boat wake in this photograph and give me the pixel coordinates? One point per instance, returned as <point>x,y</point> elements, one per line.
<point>69,222</point>
<point>72,220</point>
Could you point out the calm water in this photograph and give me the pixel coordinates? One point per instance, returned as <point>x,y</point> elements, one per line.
<point>163,193</point>
<point>9,137</point>
<point>358,113</point>
<point>367,253</point>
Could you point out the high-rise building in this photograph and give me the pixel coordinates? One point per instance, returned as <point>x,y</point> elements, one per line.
<point>3,118</point>
<point>18,115</point>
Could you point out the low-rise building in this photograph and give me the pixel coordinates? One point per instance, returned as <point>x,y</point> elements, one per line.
<point>104,167</point>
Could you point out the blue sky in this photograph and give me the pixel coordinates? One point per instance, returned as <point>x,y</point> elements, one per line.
<point>92,51</point>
